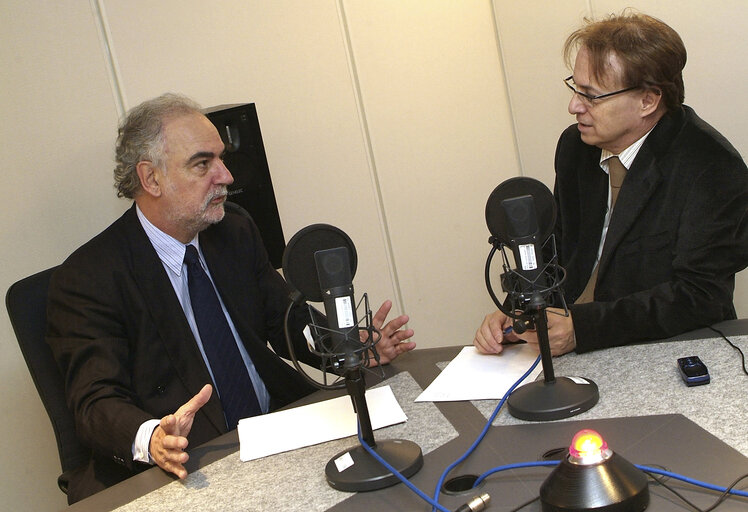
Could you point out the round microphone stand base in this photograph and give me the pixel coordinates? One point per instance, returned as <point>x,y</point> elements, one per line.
<point>555,400</point>
<point>359,471</point>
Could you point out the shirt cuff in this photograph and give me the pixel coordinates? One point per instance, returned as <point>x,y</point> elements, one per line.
<point>140,447</point>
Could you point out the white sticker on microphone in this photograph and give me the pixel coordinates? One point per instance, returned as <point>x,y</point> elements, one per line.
<point>527,257</point>
<point>344,308</point>
<point>344,462</point>
<point>309,339</point>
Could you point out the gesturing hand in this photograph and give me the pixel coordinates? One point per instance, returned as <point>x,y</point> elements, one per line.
<point>169,439</point>
<point>392,343</point>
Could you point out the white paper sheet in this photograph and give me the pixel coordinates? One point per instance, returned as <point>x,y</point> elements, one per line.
<point>475,376</point>
<point>282,431</point>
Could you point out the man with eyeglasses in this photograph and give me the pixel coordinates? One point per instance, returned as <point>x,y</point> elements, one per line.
<point>652,201</point>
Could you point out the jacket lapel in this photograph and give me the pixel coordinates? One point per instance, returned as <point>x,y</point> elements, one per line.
<point>640,184</point>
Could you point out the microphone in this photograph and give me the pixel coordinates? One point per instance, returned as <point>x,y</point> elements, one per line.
<point>319,263</point>
<point>521,215</point>
<point>336,285</point>
<point>523,233</point>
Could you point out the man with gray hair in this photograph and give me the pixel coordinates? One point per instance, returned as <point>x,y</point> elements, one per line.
<point>175,298</point>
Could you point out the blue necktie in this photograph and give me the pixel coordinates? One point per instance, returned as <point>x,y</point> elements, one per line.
<point>235,388</point>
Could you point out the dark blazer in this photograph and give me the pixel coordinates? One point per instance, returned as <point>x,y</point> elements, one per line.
<point>127,353</point>
<point>677,236</point>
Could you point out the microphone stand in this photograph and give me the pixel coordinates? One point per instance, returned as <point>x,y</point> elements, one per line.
<point>354,383</point>
<point>552,398</point>
<point>355,469</point>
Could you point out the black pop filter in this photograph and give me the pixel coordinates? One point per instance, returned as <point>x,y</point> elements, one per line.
<point>299,266</point>
<point>522,221</point>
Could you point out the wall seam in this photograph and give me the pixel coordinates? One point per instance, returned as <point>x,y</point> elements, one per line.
<point>399,303</point>
<point>106,38</point>
<point>507,89</point>
<point>590,10</point>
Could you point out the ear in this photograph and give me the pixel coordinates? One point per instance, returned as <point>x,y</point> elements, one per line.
<point>149,176</point>
<point>650,101</point>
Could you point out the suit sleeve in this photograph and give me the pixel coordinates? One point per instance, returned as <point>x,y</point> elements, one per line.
<point>91,346</point>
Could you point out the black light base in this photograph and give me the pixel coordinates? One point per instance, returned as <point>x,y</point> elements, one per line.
<point>555,400</point>
<point>366,473</point>
<point>614,485</point>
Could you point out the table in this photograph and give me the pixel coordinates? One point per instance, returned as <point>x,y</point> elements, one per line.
<point>645,412</point>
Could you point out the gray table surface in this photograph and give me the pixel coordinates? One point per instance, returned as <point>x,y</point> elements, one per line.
<point>636,380</point>
<point>641,380</point>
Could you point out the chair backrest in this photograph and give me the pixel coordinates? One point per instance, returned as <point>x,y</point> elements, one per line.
<point>26,301</point>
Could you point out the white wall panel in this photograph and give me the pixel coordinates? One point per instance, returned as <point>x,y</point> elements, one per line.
<point>531,43</point>
<point>434,98</point>
<point>58,125</point>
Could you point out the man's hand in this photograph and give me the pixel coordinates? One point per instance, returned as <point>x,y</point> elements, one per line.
<point>392,343</point>
<point>169,439</point>
<point>560,333</point>
<point>490,335</point>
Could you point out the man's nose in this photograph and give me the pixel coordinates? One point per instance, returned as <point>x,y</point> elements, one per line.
<point>223,175</point>
<point>576,105</point>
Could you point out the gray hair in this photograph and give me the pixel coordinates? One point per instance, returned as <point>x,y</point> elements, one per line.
<point>140,137</point>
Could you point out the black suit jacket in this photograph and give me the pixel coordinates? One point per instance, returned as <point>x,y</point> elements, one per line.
<point>676,238</point>
<point>127,353</point>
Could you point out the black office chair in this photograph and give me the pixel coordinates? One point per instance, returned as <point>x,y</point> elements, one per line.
<point>26,301</point>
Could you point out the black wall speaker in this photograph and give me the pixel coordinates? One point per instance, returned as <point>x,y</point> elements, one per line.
<point>245,158</point>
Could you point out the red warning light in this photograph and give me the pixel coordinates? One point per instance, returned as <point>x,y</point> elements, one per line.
<point>588,447</point>
<point>594,479</point>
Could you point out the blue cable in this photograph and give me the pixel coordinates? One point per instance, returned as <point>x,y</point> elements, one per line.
<point>395,472</point>
<point>516,465</point>
<point>692,481</point>
<point>483,432</point>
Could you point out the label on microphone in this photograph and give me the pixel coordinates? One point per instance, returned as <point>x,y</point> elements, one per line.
<point>527,257</point>
<point>344,308</point>
<point>309,339</point>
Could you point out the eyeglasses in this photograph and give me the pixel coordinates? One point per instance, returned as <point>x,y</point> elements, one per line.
<point>590,99</point>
